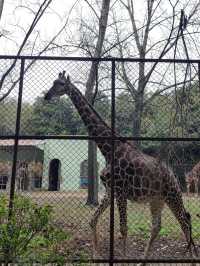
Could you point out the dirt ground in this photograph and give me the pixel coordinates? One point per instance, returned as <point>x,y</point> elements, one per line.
<point>162,249</point>
<point>81,242</point>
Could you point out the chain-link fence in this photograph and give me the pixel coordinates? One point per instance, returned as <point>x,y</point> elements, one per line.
<point>149,126</point>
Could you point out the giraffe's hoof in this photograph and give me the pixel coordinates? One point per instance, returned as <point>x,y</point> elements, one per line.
<point>124,250</point>
<point>123,240</point>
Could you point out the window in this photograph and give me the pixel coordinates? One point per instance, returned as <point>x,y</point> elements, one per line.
<point>37,182</point>
<point>84,173</point>
<point>3,181</point>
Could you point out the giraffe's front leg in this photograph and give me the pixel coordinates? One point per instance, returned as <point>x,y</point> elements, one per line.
<point>156,207</point>
<point>93,223</point>
<point>122,207</point>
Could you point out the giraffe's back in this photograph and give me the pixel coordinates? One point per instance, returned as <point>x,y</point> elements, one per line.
<point>140,177</point>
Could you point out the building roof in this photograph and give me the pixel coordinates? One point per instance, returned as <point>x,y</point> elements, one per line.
<point>24,142</point>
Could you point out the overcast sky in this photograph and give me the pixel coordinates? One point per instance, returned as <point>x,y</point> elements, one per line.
<point>40,78</point>
<point>14,15</point>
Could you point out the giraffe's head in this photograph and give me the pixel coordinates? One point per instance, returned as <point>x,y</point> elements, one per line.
<point>59,87</point>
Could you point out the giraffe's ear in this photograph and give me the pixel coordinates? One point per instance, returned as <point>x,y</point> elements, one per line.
<point>68,78</point>
<point>60,75</point>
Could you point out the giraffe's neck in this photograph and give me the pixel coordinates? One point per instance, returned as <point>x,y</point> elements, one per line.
<point>92,120</point>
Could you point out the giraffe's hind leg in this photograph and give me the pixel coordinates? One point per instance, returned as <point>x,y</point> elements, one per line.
<point>175,203</point>
<point>156,207</point>
<point>93,223</point>
<point>122,207</point>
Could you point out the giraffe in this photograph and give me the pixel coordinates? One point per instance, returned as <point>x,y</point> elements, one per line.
<point>193,177</point>
<point>137,176</point>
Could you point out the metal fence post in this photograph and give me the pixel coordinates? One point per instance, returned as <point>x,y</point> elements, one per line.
<point>16,140</point>
<point>199,75</point>
<point>112,211</point>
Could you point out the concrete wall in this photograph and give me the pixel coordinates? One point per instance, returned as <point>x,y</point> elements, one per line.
<point>70,153</point>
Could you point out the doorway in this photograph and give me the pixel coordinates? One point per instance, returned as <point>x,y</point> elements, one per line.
<point>54,175</point>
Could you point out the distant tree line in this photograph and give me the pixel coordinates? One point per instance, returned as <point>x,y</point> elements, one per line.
<point>175,115</point>
<point>168,115</point>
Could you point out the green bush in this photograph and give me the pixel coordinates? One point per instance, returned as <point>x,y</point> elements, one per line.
<point>29,234</point>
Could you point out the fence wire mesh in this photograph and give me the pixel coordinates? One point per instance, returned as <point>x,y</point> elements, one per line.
<point>156,110</point>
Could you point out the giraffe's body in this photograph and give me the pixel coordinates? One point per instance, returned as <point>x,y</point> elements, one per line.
<point>193,179</point>
<point>140,177</point>
<point>137,176</point>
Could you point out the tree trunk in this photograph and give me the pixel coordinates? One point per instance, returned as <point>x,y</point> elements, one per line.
<point>139,102</point>
<point>92,174</point>
<point>137,117</point>
<point>92,148</point>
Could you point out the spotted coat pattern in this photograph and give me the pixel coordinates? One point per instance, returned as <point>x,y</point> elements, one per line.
<point>137,176</point>
<point>193,179</point>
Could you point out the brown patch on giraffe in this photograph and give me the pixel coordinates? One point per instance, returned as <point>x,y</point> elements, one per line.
<point>145,167</point>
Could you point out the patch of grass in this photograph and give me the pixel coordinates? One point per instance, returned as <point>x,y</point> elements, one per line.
<point>139,225</point>
<point>139,220</point>
<point>72,212</point>
<point>82,256</point>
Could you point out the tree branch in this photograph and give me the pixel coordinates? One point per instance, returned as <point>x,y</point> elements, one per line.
<point>158,92</point>
<point>36,19</point>
<point>46,48</point>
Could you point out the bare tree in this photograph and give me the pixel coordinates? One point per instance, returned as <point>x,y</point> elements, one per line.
<point>94,48</point>
<point>40,12</point>
<point>144,45</point>
<point>133,35</point>
<point>92,153</point>
<point>143,29</point>
<point>9,79</point>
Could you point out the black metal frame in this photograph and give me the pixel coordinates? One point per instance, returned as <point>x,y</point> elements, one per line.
<point>111,260</point>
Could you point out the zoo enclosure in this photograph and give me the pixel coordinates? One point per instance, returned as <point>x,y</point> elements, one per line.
<point>170,84</point>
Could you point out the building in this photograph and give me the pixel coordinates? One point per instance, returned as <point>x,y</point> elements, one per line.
<point>54,165</point>
<point>29,165</point>
<point>65,164</point>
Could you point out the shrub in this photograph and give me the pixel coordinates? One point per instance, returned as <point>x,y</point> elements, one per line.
<point>29,234</point>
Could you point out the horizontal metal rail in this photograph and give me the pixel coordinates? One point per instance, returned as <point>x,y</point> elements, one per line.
<point>86,137</point>
<point>110,59</point>
<point>177,261</point>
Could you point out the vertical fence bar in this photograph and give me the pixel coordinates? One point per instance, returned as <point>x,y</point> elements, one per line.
<point>199,75</point>
<point>17,131</point>
<point>112,210</point>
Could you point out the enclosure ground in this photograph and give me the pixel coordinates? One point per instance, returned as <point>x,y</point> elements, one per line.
<point>73,215</point>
